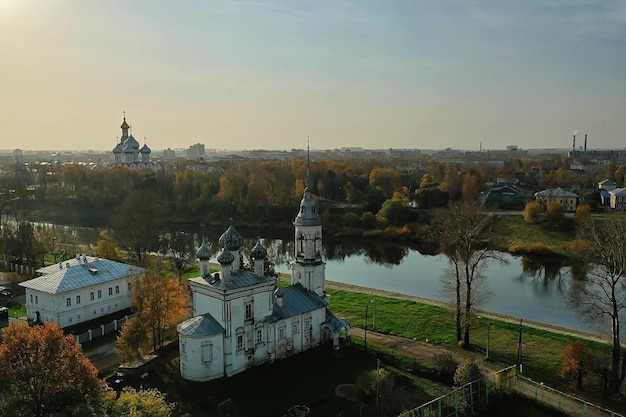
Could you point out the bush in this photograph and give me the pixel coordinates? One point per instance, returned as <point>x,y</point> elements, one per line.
<point>378,381</point>
<point>467,372</point>
<point>445,366</point>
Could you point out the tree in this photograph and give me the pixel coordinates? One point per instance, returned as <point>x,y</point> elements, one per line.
<point>395,211</point>
<point>532,212</point>
<point>601,296</point>
<point>460,227</point>
<point>577,360</point>
<point>554,213</point>
<point>467,372</point>
<point>43,371</point>
<point>138,223</point>
<point>583,215</point>
<point>161,303</point>
<point>179,248</point>
<point>132,341</point>
<point>141,403</point>
<point>107,248</point>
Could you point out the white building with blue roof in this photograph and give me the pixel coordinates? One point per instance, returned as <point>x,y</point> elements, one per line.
<point>79,290</point>
<point>242,320</point>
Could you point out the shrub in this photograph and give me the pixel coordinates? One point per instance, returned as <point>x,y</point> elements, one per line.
<point>467,372</point>
<point>445,366</point>
<point>378,381</point>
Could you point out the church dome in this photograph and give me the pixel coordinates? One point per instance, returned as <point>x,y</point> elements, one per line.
<point>124,124</point>
<point>145,149</point>
<point>204,252</point>
<point>231,239</point>
<point>259,252</point>
<point>308,215</point>
<point>131,142</point>
<point>226,257</point>
<point>118,148</point>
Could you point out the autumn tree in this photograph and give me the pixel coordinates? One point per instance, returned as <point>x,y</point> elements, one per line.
<point>582,215</point>
<point>160,303</point>
<point>395,211</point>
<point>460,228</point>
<point>43,371</point>
<point>388,179</point>
<point>138,223</point>
<point>601,297</point>
<point>132,341</point>
<point>107,248</point>
<point>141,403</point>
<point>532,212</point>
<point>554,213</point>
<point>467,372</point>
<point>577,360</point>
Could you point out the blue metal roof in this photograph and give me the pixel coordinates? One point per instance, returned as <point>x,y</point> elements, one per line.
<point>296,300</point>
<point>203,325</point>
<point>239,279</point>
<point>59,279</point>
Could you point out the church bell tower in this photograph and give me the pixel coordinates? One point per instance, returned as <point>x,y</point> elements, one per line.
<point>308,268</point>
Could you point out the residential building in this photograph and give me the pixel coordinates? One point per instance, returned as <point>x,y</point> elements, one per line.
<point>240,320</point>
<point>605,186</point>
<point>567,199</point>
<point>617,199</point>
<point>80,290</point>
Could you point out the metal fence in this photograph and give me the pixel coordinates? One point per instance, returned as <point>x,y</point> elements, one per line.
<point>569,404</point>
<point>91,334</point>
<point>467,399</point>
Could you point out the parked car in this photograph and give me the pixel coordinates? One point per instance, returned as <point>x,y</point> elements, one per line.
<point>7,292</point>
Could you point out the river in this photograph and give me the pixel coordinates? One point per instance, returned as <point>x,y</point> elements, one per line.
<point>530,288</point>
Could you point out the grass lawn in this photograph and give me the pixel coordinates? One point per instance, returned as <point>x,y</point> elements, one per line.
<point>15,309</point>
<point>511,230</point>
<point>309,378</point>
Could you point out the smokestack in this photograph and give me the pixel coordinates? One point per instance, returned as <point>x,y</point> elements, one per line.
<point>585,143</point>
<point>574,143</point>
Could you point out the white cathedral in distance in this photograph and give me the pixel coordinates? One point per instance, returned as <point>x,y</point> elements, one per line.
<point>241,320</point>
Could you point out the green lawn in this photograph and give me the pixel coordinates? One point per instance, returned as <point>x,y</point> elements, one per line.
<point>15,309</point>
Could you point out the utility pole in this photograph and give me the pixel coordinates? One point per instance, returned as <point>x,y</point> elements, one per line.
<point>519,348</point>
<point>365,327</point>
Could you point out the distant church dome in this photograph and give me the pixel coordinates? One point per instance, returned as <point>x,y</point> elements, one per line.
<point>132,143</point>
<point>145,149</point>
<point>231,239</point>
<point>118,148</point>
<point>204,252</point>
<point>125,125</point>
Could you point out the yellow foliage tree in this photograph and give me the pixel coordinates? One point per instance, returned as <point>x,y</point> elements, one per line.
<point>107,248</point>
<point>532,212</point>
<point>583,215</point>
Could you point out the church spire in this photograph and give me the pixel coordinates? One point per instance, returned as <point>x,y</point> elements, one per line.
<point>308,162</point>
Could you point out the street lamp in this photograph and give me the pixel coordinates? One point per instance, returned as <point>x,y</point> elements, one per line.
<point>488,327</point>
<point>373,315</point>
<point>365,327</point>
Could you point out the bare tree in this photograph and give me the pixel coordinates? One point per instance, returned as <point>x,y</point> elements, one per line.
<point>601,297</point>
<point>460,227</point>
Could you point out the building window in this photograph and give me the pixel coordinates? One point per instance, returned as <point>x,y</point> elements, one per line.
<point>68,302</point>
<point>281,332</point>
<point>295,328</point>
<point>207,353</point>
<point>109,308</point>
<point>69,319</point>
<point>307,324</point>
<point>31,298</point>
<point>99,293</point>
<point>129,286</point>
<point>239,341</point>
<point>36,299</point>
<point>102,309</point>
<point>94,312</point>
<point>78,317</point>
<point>110,290</point>
<point>117,289</point>
<point>91,296</point>
<point>78,299</point>
<point>259,336</point>
<point>248,311</point>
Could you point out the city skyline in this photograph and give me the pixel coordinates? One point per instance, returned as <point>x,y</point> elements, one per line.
<point>264,75</point>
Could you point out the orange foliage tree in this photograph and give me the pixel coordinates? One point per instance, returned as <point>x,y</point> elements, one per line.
<point>161,303</point>
<point>577,359</point>
<point>43,371</point>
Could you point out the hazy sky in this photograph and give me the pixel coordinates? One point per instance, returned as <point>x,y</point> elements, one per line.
<point>265,74</point>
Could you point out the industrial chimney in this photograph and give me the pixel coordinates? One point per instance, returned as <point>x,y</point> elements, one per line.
<point>585,143</point>
<point>574,143</point>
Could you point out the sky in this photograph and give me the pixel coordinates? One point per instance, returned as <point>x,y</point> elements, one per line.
<point>234,74</point>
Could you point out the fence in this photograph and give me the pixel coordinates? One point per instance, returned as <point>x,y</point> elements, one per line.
<point>571,405</point>
<point>467,399</point>
<point>91,334</point>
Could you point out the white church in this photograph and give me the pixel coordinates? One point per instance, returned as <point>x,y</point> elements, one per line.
<point>241,320</point>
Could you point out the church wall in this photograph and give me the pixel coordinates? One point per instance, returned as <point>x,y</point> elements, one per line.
<point>201,358</point>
